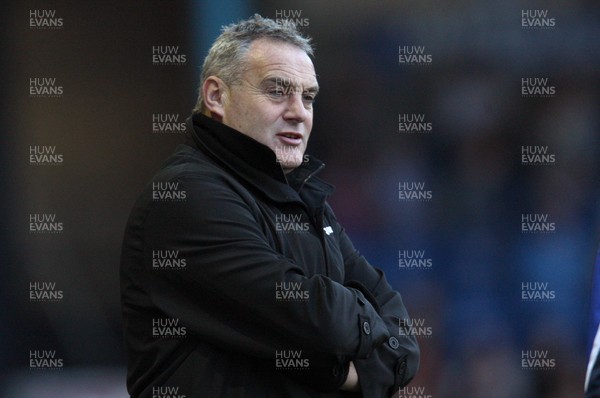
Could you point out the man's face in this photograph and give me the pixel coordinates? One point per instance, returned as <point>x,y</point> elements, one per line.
<point>273,104</point>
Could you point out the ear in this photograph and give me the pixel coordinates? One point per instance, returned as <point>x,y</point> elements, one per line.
<point>215,93</point>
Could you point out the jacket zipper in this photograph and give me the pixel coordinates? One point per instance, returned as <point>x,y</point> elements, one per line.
<point>308,177</point>
<point>318,220</point>
<point>320,232</point>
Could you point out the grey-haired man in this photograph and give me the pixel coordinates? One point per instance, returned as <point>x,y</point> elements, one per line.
<point>237,280</point>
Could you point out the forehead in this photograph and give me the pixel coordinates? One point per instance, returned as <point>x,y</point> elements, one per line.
<point>268,58</point>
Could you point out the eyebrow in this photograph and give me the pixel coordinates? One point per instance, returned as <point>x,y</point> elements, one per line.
<point>287,82</point>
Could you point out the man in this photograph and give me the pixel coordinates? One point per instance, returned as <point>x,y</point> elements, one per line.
<point>236,278</point>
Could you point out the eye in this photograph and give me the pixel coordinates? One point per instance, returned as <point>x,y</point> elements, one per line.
<point>276,92</point>
<point>309,98</point>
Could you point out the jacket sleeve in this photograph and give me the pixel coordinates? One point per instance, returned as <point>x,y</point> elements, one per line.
<point>226,295</point>
<point>394,363</point>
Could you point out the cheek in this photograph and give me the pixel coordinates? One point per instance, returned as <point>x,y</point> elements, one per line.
<point>268,117</point>
<point>255,113</point>
<point>308,122</point>
<point>239,116</point>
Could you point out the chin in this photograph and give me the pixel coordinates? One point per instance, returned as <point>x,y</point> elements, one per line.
<point>289,166</point>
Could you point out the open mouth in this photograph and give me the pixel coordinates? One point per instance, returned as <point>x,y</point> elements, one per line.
<point>290,138</point>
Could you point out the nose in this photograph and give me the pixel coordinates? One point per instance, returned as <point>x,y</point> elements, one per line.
<point>296,110</point>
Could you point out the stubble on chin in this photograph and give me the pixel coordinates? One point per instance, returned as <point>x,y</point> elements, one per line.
<point>289,157</point>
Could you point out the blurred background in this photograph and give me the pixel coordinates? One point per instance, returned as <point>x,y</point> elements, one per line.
<point>104,89</point>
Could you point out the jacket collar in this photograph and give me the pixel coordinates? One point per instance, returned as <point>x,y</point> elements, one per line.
<point>256,163</point>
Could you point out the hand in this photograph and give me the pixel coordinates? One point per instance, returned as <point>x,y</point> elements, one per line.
<point>352,383</point>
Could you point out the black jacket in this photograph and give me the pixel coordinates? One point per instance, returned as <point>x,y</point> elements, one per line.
<point>238,281</point>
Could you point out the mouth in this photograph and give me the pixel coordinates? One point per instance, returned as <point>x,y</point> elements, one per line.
<point>290,138</point>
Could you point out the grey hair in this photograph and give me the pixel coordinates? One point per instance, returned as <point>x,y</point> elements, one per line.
<point>226,57</point>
